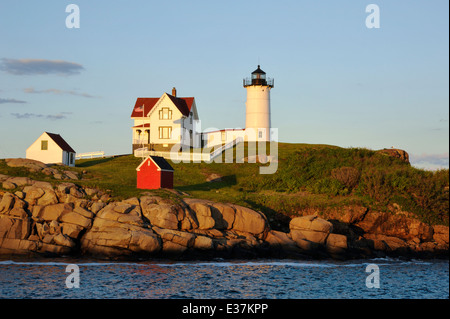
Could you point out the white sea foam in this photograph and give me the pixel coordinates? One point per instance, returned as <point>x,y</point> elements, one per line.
<point>279,263</point>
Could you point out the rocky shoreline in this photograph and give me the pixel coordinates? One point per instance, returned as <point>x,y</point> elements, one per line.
<point>39,219</point>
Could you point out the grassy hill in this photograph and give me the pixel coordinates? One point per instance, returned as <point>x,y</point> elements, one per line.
<point>308,177</point>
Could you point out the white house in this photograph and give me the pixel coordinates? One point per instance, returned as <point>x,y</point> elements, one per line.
<point>160,123</point>
<point>51,148</point>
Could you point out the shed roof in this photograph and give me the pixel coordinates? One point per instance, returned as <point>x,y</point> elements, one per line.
<point>61,142</point>
<point>159,161</point>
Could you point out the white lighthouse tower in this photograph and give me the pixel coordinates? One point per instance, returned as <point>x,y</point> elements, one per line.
<point>257,115</point>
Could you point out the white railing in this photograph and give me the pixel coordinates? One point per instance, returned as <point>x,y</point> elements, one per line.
<point>180,156</point>
<point>90,155</point>
<point>221,149</point>
<point>188,156</point>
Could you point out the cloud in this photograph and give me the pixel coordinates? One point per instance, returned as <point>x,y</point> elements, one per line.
<point>57,91</point>
<point>430,161</point>
<point>39,66</point>
<point>59,116</point>
<point>53,117</point>
<point>5,101</point>
<point>26,115</point>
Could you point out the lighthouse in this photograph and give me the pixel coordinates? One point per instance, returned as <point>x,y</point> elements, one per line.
<point>257,107</point>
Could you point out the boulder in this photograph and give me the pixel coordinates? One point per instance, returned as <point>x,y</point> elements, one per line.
<point>347,214</point>
<point>64,188</point>
<point>303,242</point>
<point>224,216</point>
<point>311,223</point>
<point>395,225</point>
<point>43,185</point>
<point>20,181</point>
<point>75,192</point>
<point>250,221</point>
<point>111,238</point>
<point>171,248</point>
<point>10,246</point>
<point>76,219</point>
<point>71,230</point>
<point>54,227</point>
<point>83,212</point>
<point>14,228</point>
<point>279,239</point>
<point>42,230</point>
<point>203,243</point>
<point>32,193</point>
<point>63,240</point>
<point>441,234</point>
<point>90,191</point>
<point>48,198</point>
<point>71,175</point>
<point>52,212</point>
<point>109,213</point>
<point>7,203</point>
<point>144,240</point>
<point>18,212</point>
<point>162,215</point>
<point>8,185</point>
<point>336,244</point>
<point>310,232</point>
<point>24,162</point>
<point>397,153</point>
<point>205,217</point>
<point>53,250</point>
<point>388,243</point>
<point>178,237</point>
<point>97,206</point>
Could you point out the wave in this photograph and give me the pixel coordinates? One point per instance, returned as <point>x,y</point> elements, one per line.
<point>238,263</point>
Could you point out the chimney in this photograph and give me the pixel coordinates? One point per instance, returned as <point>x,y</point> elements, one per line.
<point>174,92</point>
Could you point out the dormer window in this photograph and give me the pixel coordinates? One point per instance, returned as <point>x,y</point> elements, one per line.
<point>165,114</point>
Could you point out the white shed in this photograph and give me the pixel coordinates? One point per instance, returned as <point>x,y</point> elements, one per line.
<point>51,148</point>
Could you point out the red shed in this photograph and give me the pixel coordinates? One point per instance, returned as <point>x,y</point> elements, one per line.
<point>154,172</point>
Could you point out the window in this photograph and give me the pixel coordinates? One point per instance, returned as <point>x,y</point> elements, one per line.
<point>260,134</point>
<point>71,160</point>
<point>165,132</point>
<point>165,114</point>
<point>44,145</point>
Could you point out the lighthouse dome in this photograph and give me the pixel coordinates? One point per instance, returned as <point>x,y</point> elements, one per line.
<point>258,71</point>
<point>258,78</point>
<point>258,74</point>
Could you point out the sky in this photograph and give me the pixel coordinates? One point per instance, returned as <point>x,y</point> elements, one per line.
<point>337,81</point>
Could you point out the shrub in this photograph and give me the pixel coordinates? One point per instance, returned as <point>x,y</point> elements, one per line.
<point>348,176</point>
<point>375,184</point>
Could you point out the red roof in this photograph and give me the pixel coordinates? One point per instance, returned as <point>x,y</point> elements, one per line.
<point>142,125</point>
<point>184,104</point>
<point>60,142</point>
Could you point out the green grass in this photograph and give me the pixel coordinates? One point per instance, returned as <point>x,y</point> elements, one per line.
<point>309,176</point>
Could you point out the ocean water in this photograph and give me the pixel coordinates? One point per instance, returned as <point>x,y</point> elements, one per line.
<point>237,279</point>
